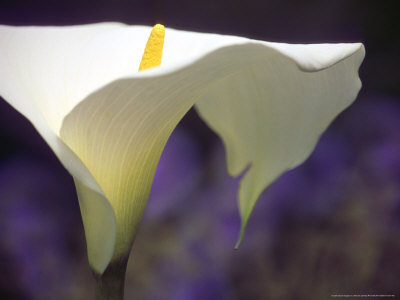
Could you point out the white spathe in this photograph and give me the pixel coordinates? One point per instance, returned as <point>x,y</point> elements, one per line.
<point>108,123</point>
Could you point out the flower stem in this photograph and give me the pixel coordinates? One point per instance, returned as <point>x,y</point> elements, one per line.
<point>110,285</point>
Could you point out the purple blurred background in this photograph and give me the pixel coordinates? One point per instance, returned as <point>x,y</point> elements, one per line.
<point>331,226</point>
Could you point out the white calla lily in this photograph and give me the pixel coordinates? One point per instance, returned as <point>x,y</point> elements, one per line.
<point>108,123</point>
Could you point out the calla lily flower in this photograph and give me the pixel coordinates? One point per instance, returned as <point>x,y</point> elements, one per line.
<point>108,123</point>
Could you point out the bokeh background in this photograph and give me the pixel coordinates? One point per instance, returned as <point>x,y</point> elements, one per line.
<point>330,226</point>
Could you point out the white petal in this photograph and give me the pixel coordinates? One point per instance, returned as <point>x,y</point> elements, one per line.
<point>100,226</point>
<point>80,83</point>
<point>271,114</point>
<point>54,68</point>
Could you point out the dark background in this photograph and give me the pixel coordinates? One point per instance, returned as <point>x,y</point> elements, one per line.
<point>331,226</point>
